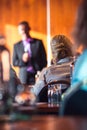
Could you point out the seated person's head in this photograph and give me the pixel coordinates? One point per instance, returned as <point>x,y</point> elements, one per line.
<point>2,40</point>
<point>61,48</point>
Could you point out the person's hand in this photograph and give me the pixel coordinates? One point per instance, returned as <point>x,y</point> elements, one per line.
<point>25,57</point>
<point>25,97</point>
<point>37,76</point>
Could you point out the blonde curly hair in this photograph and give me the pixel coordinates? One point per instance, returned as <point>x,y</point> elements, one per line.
<point>61,47</point>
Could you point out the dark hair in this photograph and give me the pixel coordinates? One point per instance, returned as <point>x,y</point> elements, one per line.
<point>61,47</point>
<point>26,24</point>
<point>80,29</point>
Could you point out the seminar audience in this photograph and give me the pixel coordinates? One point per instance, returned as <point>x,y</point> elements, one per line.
<point>60,69</point>
<point>74,102</point>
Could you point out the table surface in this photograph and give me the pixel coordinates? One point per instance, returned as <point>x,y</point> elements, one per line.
<point>39,108</point>
<point>47,123</point>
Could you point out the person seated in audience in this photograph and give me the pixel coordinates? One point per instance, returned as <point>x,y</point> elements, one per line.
<point>6,74</point>
<point>9,82</point>
<point>79,34</point>
<point>74,102</point>
<point>62,54</point>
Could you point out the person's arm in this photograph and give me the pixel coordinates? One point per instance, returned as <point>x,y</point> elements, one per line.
<point>5,65</point>
<point>40,83</point>
<point>38,87</point>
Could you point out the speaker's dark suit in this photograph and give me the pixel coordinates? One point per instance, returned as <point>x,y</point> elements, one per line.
<point>38,59</point>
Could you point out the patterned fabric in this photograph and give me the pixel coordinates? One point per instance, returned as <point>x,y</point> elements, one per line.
<point>60,71</point>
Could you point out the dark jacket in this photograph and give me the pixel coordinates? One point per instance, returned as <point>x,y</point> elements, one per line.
<point>38,59</point>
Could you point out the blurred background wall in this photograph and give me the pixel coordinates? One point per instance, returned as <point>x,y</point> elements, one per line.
<point>62,17</point>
